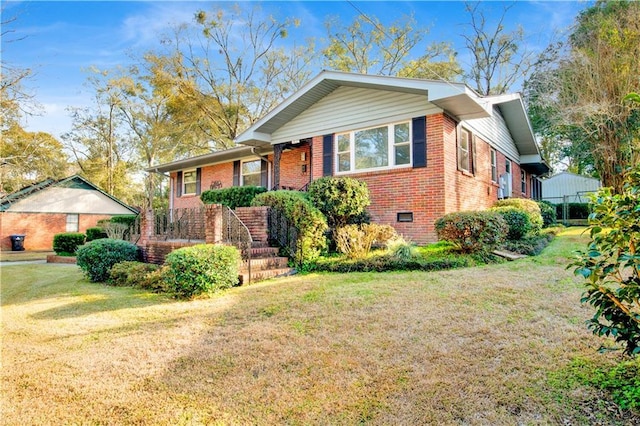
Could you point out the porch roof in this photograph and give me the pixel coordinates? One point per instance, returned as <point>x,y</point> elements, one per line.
<point>226,155</point>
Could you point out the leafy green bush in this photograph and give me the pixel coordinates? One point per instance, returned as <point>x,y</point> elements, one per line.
<point>135,274</point>
<point>339,199</point>
<point>531,245</point>
<point>611,265</point>
<point>124,219</point>
<point>96,257</point>
<point>67,243</point>
<point>309,223</point>
<point>356,240</point>
<point>202,269</point>
<point>472,231</point>
<point>548,213</point>
<point>236,196</point>
<point>529,206</point>
<point>574,210</point>
<point>388,262</point>
<point>518,221</point>
<point>95,233</point>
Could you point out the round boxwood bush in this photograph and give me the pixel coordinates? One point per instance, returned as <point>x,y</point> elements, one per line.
<point>518,221</point>
<point>529,206</point>
<point>67,243</point>
<point>97,257</point>
<point>201,269</point>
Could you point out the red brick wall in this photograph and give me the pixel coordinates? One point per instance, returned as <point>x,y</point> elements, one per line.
<point>291,162</point>
<point>156,251</point>
<point>256,219</point>
<point>40,228</point>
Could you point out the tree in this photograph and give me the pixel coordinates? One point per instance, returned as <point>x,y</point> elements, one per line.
<point>499,58</point>
<point>368,47</point>
<point>29,157</point>
<point>233,70</point>
<point>577,99</point>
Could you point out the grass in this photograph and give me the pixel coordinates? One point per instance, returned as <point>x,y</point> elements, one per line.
<point>487,345</point>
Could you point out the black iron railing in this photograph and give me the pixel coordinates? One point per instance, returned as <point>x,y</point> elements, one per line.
<point>179,224</point>
<point>236,233</point>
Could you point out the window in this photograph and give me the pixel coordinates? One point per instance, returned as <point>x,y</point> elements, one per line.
<point>72,223</point>
<point>523,179</point>
<point>251,173</point>
<point>464,151</point>
<point>507,166</point>
<point>189,182</point>
<point>404,217</point>
<point>494,166</point>
<point>374,148</point>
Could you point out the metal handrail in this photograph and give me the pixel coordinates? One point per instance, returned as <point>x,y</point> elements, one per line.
<point>237,234</point>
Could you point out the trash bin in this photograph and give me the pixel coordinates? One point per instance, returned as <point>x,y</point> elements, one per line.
<point>17,242</point>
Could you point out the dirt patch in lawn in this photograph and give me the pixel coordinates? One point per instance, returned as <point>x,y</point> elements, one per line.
<point>468,346</point>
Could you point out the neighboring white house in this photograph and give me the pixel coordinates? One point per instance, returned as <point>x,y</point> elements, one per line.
<point>568,187</point>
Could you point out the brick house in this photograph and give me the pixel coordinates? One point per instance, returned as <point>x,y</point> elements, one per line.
<point>51,207</point>
<point>425,148</point>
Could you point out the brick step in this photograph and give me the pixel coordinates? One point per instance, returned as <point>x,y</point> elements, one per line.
<point>265,263</point>
<point>265,275</point>
<point>258,252</point>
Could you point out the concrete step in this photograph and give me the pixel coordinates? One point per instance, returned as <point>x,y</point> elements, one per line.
<point>265,263</point>
<point>264,275</point>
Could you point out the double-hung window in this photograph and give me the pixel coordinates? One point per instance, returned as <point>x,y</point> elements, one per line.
<point>251,173</point>
<point>464,151</point>
<point>380,147</point>
<point>73,222</point>
<point>494,166</point>
<point>189,179</point>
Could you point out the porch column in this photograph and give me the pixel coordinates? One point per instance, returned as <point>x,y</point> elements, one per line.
<point>277,154</point>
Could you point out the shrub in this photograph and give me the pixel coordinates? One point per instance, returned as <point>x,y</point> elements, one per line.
<point>236,196</point>
<point>611,265</point>
<point>548,213</point>
<point>124,219</point>
<point>98,256</point>
<point>387,262</point>
<point>518,221</point>
<point>356,241</point>
<point>309,223</point>
<point>472,231</point>
<point>95,234</point>
<point>339,199</point>
<point>574,210</point>
<point>201,269</point>
<point>529,206</point>
<point>531,245</point>
<point>67,243</point>
<point>135,274</point>
<point>401,249</point>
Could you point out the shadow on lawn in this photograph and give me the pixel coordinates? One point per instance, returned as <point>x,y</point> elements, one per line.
<point>105,299</point>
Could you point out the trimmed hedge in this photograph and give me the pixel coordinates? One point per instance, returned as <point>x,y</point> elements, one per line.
<point>136,274</point>
<point>529,206</point>
<point>518,221</point>
<point>388,262</point>
<point>95,234</point>
<point>309,222</point>
<point>97,257</point>
<point>236,196</point>
<point>202,269</point>
<point>575,210</point>
<point>67,243</point>
<point>340,199</point>
<point>472,231</point>
<point>124,219</point>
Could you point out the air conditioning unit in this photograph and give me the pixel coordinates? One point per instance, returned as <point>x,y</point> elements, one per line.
<point>505,185</point>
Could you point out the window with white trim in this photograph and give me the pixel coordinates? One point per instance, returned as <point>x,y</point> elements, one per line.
<point>523,179</point>
<point>507,166</point>
<point>374,148</point>
<point>494,166</point>
<point>73,221</point>
<point>251,173</point>
<point>464,151</point>
<point>189,179</point>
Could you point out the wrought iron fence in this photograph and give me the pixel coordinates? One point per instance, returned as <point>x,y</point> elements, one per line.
<point>282,232</point>
<point>179,224</point>
<point>236,233</point>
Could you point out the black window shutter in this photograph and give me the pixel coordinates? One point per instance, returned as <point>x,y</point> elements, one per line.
<point>264,177</point>
<point>327,155</point>
<point>179,185</point>
<point>419,127</point>
<point>198,179</point>
<point>236,173</point>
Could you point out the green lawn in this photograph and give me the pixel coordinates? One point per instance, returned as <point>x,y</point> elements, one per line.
<point>486,345</point>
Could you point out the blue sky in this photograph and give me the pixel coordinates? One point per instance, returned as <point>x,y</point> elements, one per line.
<point>63,39</point>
